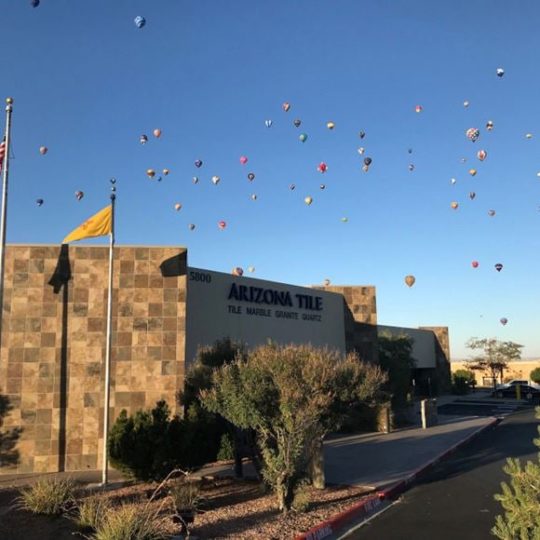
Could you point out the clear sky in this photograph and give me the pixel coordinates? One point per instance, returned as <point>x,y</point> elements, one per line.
<point>87,83</point>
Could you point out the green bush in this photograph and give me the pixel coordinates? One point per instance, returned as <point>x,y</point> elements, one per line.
<point>130,522</point>
<point>462,381</point>
<point>226,448</point>
<point>535,375</point>
<point>51,497</point>
<point>147,445</point>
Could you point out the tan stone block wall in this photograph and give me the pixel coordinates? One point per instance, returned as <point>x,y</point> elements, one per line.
<point>53,345</point>
<point>360,312</point>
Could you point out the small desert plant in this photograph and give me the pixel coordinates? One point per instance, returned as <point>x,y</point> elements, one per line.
<point>130,522</point>
<point>186,495</point>
<point>226,448</point>
<point>301,500</point>
<point>48,496</point>
<point>92,512</point>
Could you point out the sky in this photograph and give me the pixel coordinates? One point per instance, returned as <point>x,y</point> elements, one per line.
<point>87,83</point>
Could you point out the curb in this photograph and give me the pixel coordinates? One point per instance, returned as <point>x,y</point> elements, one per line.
<point>376,503</point>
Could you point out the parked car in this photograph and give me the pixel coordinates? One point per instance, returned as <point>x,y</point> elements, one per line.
<point>527,391</point>
<point>513,382</point>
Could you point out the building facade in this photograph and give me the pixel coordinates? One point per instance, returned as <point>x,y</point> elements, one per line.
<point>53,338</point>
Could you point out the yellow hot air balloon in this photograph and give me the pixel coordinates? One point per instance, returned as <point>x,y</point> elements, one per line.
<point>330,125</point>
<point>409,280</point>
<point>472,172</point>
<point>308,200</point>
<point>150,173</point>
<point>454,205</point>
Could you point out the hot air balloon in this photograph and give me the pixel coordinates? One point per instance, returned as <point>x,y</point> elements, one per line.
<point>361,150</point>
<point>191,226</point>
<point>500,72</point>
<point>453,181</point>
<point>286,106</point>
<point>504,320</point>
<point>39,202</point>
<point>157,133</point>
<point>472,172</point>
<point>139,21</point>
<point>491,213</point>
<point>297,122</point>
<point>367,161</point>
<point>330,125</point>
<point>177,206</point>
<point>251,176</point>
<point>251,269</point>
<point>326,282</point>
<point>143,139</point>
<point>253,197</point>
<point>43,150</point>
<point>362,134</point>
<point>150,173</point>
<point>243,160</point>
<point>498,267</point>
<point>528,136</point>
<point>322,167</point>
<point>418,108</point>
<point>215,180</point>
<point>454,205</point>
<point>344,219</point>
<point>474,264</point>
<point>302,137</point>
<point>268,123</point>
<point>411,167</point>
<point>222,225</point>
<point>481,155</point>
<point>166,172</point>
<point>237,271</point>
<point>410,280</point>
<point>308,200</point>
<point>466,103</point>
<point>489,125</point>
<point>34,3</point>
<point>409,150</point>
<point>472,195</point>
<point>322,186</point>
<point>195,179</point>
<point>198,163</point>
<point>473,134</point>
<point>292,187</point>
<point>79,195</point>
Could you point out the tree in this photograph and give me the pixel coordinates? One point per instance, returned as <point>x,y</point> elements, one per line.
<point>291,396</point>
<point>494,357</point>
<point>535,375</point>
<point>462,381</point>
<point>395,357</point>
<point>520,500</point>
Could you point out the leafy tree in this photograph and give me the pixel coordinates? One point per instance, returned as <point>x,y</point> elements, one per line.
<point>291,396</point>
<point>520,500</point>
<point>494,357</point>
<point>395,357</point>
<point>535,375</point>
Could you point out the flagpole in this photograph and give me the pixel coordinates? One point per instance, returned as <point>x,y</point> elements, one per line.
<point>107,390</point>
<point>5,175</point>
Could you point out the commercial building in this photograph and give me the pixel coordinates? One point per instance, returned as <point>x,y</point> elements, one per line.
<point>53,337</point>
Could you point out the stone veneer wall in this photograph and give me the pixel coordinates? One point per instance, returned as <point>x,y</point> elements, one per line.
<point>360,311</point>
<point>442,355</point>
<point>53,345</point>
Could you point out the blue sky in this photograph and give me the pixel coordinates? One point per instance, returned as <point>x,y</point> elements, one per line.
<point>87,83</point>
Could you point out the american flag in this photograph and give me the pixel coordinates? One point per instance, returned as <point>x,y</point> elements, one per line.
<point>2,153</point>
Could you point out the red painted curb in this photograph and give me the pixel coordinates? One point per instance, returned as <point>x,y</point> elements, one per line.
<point>327,527</point>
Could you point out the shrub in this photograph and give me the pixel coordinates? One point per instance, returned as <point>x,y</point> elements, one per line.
<point>92,511</point>
<point>185,495</point>
<point>462,381</point>
<point>130,522</point>
<point>49,496</point>
<point>301,500</point>
<point>148,444</point>
<point>535,375</point>
<point>226,448</point>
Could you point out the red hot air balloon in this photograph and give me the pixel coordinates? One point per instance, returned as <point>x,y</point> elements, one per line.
<point>474,264</point>
<point>322,167</point>
<point>222,225</point>
<point>243,160</point>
